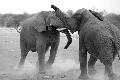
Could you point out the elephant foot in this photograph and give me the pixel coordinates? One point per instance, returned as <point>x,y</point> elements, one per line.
<point>41,70</point>
<point>48,66</point>
<point>20,66</point>
<point>113,77</point>
<point>117,78</point>
<point>92,71</point>
<point>84,77</point>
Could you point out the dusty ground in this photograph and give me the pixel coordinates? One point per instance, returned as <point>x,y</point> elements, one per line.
<point>66,66</point>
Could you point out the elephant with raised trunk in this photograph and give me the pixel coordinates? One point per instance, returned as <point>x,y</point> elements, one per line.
<point>38,33</point>
<point>99,38</point>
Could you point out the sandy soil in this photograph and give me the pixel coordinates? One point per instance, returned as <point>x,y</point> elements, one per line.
<point>66,66</point>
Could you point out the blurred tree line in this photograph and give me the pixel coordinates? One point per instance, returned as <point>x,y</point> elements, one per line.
<point>7,19</point>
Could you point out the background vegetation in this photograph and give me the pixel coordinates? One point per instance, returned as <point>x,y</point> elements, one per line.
<point>7,19</point>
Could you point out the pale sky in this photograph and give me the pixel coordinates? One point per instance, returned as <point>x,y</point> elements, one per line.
<point>34,6</point>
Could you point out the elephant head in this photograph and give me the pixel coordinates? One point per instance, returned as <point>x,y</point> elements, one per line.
<point>76,21</point>
<point>69,23</point>
<point>47,20</point>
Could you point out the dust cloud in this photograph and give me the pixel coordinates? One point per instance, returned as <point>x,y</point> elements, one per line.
<point>100,76</point>
<point>64,65</point>
<point>60,66</point>
<point>27,68</point>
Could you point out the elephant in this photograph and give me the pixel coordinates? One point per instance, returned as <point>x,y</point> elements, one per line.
<point>38,33</point>
<point>99,38</point>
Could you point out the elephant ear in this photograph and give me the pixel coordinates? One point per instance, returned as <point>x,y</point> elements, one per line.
<point>38,22</point>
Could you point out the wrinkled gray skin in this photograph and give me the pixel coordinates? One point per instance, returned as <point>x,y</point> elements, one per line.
<point>99,38</point>
<point>38,34</point>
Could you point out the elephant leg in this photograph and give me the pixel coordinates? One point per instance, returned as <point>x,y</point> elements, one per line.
<point>53,52</point>
<point>109,70</point>
<point>23,57</point>
<point>41,56</point>
<point>91,65</point>
<point>83,64</point>
<point>24,52</point>
<point>106,57</point>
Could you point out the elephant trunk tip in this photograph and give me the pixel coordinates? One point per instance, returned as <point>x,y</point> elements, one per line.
<point>54,7</point>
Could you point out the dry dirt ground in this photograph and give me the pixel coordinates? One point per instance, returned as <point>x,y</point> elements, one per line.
<point>66,66</point>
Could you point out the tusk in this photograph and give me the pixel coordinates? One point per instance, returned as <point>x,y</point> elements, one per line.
<point>61,29</point>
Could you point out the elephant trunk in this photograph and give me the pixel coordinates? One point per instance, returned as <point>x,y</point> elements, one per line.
<point>68,37</point>
<point>63,17</point>
<point>60,15</point>
<point>54,7</point>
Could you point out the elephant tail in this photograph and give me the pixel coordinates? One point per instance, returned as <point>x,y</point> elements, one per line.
<point>18,29</point>
<point>119,54</point>
<point>116,50</point>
